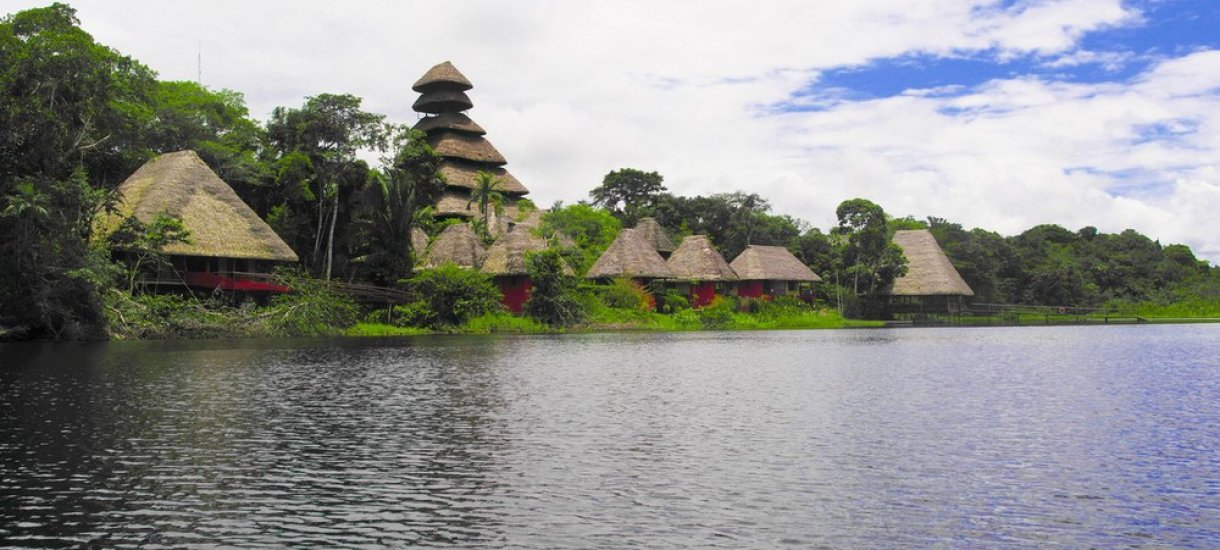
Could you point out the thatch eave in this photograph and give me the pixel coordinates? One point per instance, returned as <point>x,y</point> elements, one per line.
<point>442,76</point>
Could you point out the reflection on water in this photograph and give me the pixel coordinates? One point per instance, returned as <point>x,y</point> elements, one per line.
<point>1084,436</point>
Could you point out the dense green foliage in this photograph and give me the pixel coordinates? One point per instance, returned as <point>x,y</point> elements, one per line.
<point>1049,265</point>
<point>553,299</point>
<point>449,296</point>
<point>628,193</point>
<point>590,229</point>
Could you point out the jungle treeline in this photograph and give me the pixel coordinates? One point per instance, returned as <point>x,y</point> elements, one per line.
<point>78,117</point>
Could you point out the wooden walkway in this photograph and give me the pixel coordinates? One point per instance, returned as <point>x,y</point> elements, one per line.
<point>1020,315</point>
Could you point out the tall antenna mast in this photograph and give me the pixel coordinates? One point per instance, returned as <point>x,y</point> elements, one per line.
<point>199,65</point>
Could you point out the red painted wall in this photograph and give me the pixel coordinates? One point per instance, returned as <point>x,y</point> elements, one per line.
<point>212,280</point>
<point>516,291</point>
<point>702,294</point>
<point>750,289</point>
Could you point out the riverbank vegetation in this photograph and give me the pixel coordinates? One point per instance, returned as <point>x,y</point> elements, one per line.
<point>77,118</point>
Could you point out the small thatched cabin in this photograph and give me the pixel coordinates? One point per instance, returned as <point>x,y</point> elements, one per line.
<point>630,256</point>
<point>229,247</point>
<point>506,264</point>
<point>457,244</point>
<point>700,271</point>
<point>655,235</point>
<point>931,285</point>
<point>768,271</point>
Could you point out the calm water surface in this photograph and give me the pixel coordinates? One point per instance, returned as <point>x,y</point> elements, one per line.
<point>1078,436</point>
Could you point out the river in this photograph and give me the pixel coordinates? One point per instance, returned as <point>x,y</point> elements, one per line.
<point>1029,437</point>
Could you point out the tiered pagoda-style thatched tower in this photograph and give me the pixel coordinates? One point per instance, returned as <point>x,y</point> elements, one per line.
<point>459,140</point>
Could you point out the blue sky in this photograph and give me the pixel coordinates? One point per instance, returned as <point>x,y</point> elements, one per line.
<point>1000,114</point>
<point>1166,28</point>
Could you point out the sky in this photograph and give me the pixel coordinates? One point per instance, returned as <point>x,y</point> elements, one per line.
<point>1000,114</point>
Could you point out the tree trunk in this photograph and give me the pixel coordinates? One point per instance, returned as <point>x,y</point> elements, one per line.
<point>330,240</point>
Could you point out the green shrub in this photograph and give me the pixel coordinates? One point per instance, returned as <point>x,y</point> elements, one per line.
<point>553,299</point>
<point>717,314</point>
<point>624,293</point>
<point>450,295</point>
<point>672,302</point>
<point>311,309</point>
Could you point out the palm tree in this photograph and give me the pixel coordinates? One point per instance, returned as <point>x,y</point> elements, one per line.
<point>391,212</point>
<point>488,191</point>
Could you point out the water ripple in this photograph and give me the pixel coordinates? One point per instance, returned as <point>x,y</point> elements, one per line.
<point>1080,437</point>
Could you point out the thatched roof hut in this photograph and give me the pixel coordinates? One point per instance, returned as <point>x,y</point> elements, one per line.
<point>696,260</point>
<point>629,256</point>
<point>655,235</point>
<point>457,244</point>
<point>929,271</point>
<point>771,263</point>
<point>507,255</point>
<point>465,175</point>
<point>442,75</point>
<point>449,121</point>
<point>440,101</point>
<point>221,225</point>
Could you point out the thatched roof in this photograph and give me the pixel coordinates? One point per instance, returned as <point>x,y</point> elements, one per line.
<point>771,263</point>
<point>221,224</point>
<point>629,256</point>
<point>469,147</point>
<point>454,203</point>
<point>655,235</point>
<point>444,75</point>
<point>465,174</point>
<point>449,121</point>
<point>507,255</point>
<point>457,244</point>
<point>929,271</point>
<point>439,101</point>
<point>696,260</point>
<point>419,242</point>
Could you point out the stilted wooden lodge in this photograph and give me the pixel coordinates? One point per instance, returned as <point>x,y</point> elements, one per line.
<point>460,142</point>
<point>229,247</point>
<point>931,286</point>
<point>700,271</point>
<point>769,271</point>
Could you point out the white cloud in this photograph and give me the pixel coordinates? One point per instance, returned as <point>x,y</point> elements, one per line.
<point>571,90</point>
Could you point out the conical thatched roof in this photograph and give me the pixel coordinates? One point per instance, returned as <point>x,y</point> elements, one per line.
<point>652,232</point>
<point>439,101</point>
<point>771,263</point>
<point>221,224</point>
<point>443,75</point>
<point>449,121</point>
<point>629,256</point>
<point>507,255</point>
<point>457,244</point>
<point>696,260</point>
<point>929,271</point>
<point>469,147</point>
<point>419,242</point>
<point>464,174</point>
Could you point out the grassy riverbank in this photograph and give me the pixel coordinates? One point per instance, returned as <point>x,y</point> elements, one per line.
<point>612,320</point>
